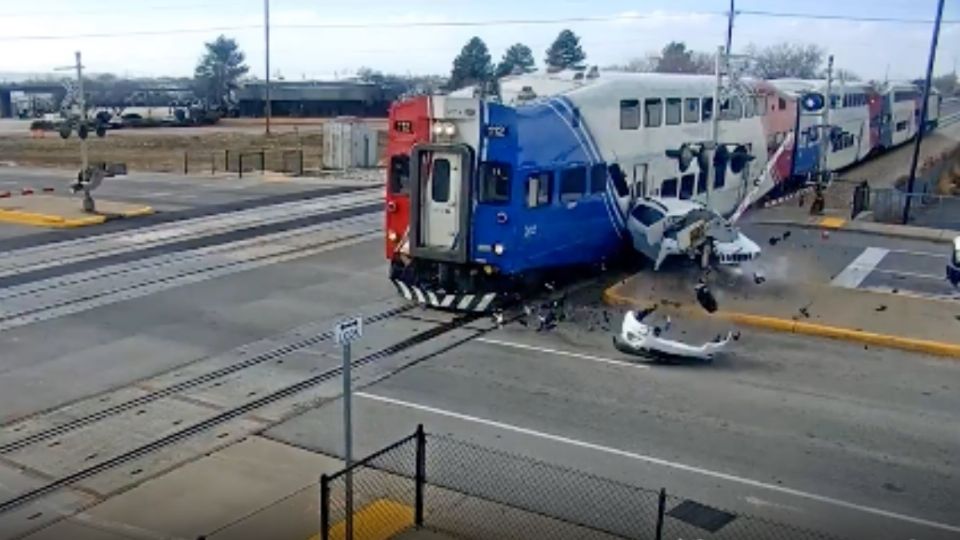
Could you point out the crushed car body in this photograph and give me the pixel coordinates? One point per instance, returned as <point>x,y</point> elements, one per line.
<point>638,338</point>
<point>661,227</point>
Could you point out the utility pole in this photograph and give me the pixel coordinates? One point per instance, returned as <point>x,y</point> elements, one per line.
<point>715,120</point>
<point>923,111</point>
<point>266,36</point>
<point>730,17</point>
<point>84,162</point>
<point>827,129</point>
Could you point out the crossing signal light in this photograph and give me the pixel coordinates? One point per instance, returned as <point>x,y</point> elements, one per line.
<point>812,102</point>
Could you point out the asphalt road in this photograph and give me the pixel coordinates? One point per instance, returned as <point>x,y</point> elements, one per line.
<point>819,434</point>
<point>890,264</point>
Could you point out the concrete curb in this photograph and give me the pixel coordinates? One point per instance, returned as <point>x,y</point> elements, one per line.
<point>612,297</point>
<point>880,229</point>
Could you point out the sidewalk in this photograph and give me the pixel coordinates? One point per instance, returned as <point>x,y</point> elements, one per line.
<point>255,489</point>
<point>871,318</point>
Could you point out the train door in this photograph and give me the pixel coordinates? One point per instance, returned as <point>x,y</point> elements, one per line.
<point>638,188</point>
<point>440,215</point>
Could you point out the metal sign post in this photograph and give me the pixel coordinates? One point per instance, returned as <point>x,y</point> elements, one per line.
<point>344,333</point>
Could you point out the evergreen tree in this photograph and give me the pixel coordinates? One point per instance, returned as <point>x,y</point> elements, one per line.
<point>518,57</point>
<point>565,52</point>
<point>472,66</point>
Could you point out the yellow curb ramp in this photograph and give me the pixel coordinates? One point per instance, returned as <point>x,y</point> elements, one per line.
<point>380,520</point>
<point>612,297</point>
<point>37,219</point>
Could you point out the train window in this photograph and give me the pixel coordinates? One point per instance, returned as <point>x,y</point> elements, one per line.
<point>707,109</point>
<point>668,188</point>
<point>538,189</point>
<point>760,105</point>
<point>494,182</point>
<point>399,174</point>
<point>674,111</point>
<point>629,114</point>
<point>781,104</point>
<point>748,111</point>
<point>691,112</point>
<point>813,135</point>
<point>619,179</point>
<point>573,184</point>
<point>440,181</point>
<point>598,178</point>
<point>901,126</point>
<point>653,112</point>
<point>720,178</point>
<point>687,182</point>
<point>846,100</point>
<point>646,214</point>
<point>702,182</point>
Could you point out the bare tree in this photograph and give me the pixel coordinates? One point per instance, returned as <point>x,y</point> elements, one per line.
<point>677,58</point>
<point>791,60</point>
<point>841,74</point>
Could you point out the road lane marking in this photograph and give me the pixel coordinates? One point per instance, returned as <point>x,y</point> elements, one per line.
<point>663,462</point>
<point>942,278</point>
<point>921,253</point>
<point>853,275</point>
<point>545,350</point>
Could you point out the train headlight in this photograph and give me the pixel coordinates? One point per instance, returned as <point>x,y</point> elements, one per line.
<point>392,236</point>
<point>498,249</point>
<point>446,129</point>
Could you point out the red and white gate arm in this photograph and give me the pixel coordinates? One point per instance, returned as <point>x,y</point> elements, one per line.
<point>767,181</point>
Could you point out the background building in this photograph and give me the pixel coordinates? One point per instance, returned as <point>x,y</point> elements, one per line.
<point>317,98</point>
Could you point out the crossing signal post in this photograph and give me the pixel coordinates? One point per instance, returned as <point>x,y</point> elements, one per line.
<point>346,332</point>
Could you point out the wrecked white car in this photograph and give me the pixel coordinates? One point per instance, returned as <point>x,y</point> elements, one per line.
<point>649,340</point>
<point>660,228</point>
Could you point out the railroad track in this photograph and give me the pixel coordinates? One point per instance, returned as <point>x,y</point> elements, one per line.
<point>950,119</point>
<point>73,293</point>
<point>71,252</point>
<point>224,416</point>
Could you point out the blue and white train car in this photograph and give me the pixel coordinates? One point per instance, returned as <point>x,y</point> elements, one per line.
<point>506,194</point>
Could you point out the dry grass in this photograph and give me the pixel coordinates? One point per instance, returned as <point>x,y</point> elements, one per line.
<point>165,150</point>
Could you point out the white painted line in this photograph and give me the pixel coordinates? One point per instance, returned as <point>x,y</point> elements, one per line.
<point>853,275</point>
<point>665,463</point>
<point>921,253</point>
<point>942,278</point>
<point>545,350</point>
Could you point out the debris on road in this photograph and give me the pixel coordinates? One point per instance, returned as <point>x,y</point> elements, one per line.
<point>705,297</point>
<point>881,307</point>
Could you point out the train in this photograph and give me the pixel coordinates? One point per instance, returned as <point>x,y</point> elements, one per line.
<point>489,198</point>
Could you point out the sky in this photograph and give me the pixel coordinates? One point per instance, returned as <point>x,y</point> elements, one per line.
<point>307,44</point>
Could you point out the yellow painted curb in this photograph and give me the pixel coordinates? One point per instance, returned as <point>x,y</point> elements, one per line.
<point>611,296</point>
<point>832,222</point>
<point>47,220</point>
<point>380,520</point>
<point>142,211</point>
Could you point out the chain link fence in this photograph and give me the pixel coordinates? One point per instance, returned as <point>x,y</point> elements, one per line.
<point>468,491</point>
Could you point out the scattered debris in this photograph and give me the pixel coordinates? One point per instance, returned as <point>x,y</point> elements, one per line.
<point>895,291</point>
<point>881,307</point>
<point>805,312</point>
<point>773,240</point>
<point>786,235</point>
<point>705,297</point>
<point>759,278</point>
<point>825,234</point>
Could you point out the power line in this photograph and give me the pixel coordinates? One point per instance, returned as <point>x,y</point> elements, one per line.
<point>460,24</point>
<point>120,10</point>
<point>829,17</point>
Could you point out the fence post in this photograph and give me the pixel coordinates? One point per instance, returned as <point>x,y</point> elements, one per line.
<point>421,475</point>
<point>240,164</point>
<point>263,161</point>
<point>300,169</point>
<point>324,507</point>
<point>186,161</point>
<point>213,164</point>
<point>661,507</point>
<point>226,160</point>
